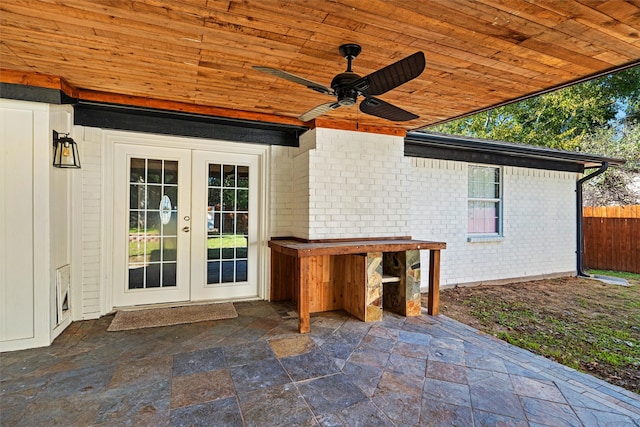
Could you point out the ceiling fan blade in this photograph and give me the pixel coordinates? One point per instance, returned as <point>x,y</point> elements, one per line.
<point>318,111</point>
<point>391,76</point>
<point>295,79</point>
<point>379,108</point>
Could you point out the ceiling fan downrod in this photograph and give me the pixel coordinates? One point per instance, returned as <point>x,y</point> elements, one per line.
<point>341,84</point>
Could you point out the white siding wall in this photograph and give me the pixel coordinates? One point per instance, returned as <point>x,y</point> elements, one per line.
<point>35,231</point>
<point>539,222</point>
<point>93,197</point>
<point>22,307</point>
<point>60,202</point>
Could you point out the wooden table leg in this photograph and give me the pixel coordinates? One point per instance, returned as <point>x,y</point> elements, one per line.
<point>304,324</point>
<point>433,299</point>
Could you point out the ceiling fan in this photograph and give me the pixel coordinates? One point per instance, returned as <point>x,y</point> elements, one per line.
<point>348,86</point>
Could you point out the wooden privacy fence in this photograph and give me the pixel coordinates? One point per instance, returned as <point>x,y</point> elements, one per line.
<point>612,238</point>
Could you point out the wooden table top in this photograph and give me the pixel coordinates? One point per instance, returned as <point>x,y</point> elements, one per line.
<point>300,249</point>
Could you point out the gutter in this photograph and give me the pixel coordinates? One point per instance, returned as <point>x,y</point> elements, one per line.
<point>579,228</point>
<point>434,145</point>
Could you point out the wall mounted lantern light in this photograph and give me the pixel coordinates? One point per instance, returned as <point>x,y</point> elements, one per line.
<point>65,151</point>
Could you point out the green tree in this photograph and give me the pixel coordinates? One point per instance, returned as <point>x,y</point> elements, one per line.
<point>561,119</point>
<point>617,186</point>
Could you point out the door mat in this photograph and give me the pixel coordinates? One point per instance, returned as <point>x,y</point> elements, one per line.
<point>166,316</point>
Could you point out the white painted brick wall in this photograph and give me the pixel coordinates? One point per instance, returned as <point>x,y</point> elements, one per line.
<point>539,222</point>
<point>341,184</point>
<point>300,195</point>
<point>357,185</point>
<point>283,208</point>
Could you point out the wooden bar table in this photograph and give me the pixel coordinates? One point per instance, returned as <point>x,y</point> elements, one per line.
<point>361,276</point>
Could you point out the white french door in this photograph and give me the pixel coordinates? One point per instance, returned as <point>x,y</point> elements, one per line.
<point>224,244</point>
<point>185,224</point>
<point>152,210</point>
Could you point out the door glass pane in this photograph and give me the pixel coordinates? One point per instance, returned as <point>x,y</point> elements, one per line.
<point>153,225</point>
<point>241,252</point>
<point>243,200</point>
<point>172,193</point>
<point>169,245</point>
<point>243,176</point>
<point>241,271</point>
<point>154,194</point>
<point>136,276</point>
<point>169,274</point>
<point>152,275</point>
<point>228,199</point>
<point>215,199</point>
<point>171,227</point>
<point>215,173</point>
<point>136,196</point>
<point>154,171</point>
<point>227,223</point>
<point>228,253</point>
<point>136,223</point>
<point>242,223</point>
<point>138,170</point>
<point>228,268</point>
<point>153,208</point>
<point>213,251</point>
<point>213,272</point>
<point>170,172</point>
<point>229,176</point>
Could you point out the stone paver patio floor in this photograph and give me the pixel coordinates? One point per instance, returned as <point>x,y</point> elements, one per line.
<point>256,370</point>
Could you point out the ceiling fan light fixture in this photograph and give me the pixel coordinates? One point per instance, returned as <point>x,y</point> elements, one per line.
<point>347,96</point>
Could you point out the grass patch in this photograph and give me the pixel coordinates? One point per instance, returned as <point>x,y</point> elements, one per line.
<point>622,274</point>
<point>584,324</point>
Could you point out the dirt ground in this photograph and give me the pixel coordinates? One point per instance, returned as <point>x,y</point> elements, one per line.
<point>585,324</point>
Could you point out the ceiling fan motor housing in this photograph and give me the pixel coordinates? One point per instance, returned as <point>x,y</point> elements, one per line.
<point>341,85</point>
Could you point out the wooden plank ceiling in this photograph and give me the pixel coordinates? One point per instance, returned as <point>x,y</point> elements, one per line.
<point>197,55</point>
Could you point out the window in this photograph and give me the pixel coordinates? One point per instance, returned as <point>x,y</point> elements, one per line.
<point>485,201</point>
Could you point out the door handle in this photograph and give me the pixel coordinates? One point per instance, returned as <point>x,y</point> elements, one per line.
<point>185,229</point>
